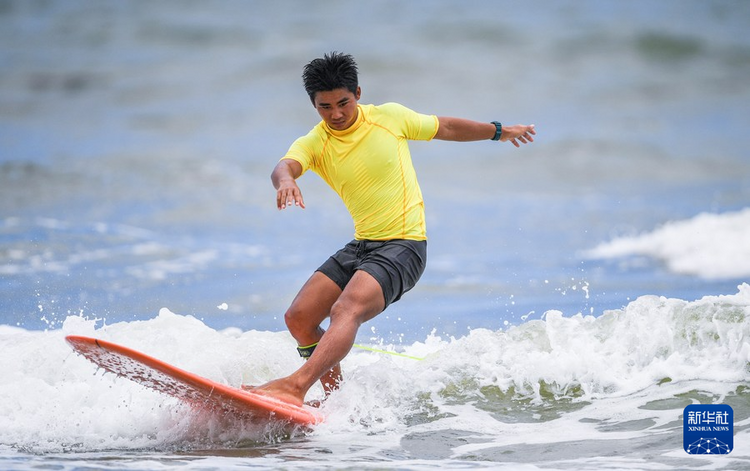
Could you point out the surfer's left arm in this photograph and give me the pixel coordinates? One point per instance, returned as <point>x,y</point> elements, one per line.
<point>464,130</point>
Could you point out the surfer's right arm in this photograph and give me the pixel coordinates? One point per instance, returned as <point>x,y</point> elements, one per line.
<point>284,178</point>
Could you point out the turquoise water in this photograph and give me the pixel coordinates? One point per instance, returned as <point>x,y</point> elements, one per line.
<point>136,143</point>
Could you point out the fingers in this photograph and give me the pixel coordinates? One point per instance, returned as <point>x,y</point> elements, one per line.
<point>289,197</point>
<point>288,201</point>
<point>525,137</point>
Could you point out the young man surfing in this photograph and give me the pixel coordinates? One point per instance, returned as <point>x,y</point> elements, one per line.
<point>361,151</point>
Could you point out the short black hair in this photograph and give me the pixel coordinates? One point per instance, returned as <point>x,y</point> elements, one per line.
<point>332,71</point>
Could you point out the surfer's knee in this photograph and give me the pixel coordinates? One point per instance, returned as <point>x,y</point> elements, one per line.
<point>304,330</point>
<point>343,311</point>
<point>358,307</point>
<point>295,321</point>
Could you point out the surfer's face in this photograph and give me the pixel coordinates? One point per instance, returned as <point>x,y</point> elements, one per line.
<point>338,107</point>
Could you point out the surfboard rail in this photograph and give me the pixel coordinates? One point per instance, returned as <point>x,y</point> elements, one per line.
<point>186,386</point>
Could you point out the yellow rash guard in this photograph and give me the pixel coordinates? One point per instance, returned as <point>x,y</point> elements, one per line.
<point>370,167</point>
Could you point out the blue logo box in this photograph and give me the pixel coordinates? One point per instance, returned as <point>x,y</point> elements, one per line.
<point>708,429</point>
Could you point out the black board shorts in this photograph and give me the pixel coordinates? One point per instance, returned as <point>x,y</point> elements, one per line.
<point>396,264</point>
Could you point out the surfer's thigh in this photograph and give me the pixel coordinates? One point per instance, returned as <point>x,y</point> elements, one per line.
<point>397,265</point>
<point>341,266</point>
<point>359,302</point>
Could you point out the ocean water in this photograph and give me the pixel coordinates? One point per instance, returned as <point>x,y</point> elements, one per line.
<point>579,392</point>
<point>580,291</point>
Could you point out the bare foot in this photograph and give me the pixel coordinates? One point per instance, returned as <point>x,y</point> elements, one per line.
<point>312,402</point>
<point>279,389</point>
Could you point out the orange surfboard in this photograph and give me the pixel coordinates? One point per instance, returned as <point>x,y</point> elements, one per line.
<point>189,387</point>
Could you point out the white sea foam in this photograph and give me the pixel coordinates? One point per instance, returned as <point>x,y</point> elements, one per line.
<point>542,383</point>
<point>711,246</point>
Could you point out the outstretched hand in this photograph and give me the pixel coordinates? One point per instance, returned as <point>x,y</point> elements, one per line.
<point>289,194</point>
<point>283,178</point>
<point>518,134</point>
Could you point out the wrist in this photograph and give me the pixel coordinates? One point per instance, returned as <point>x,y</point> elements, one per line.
<point>498,131</point>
